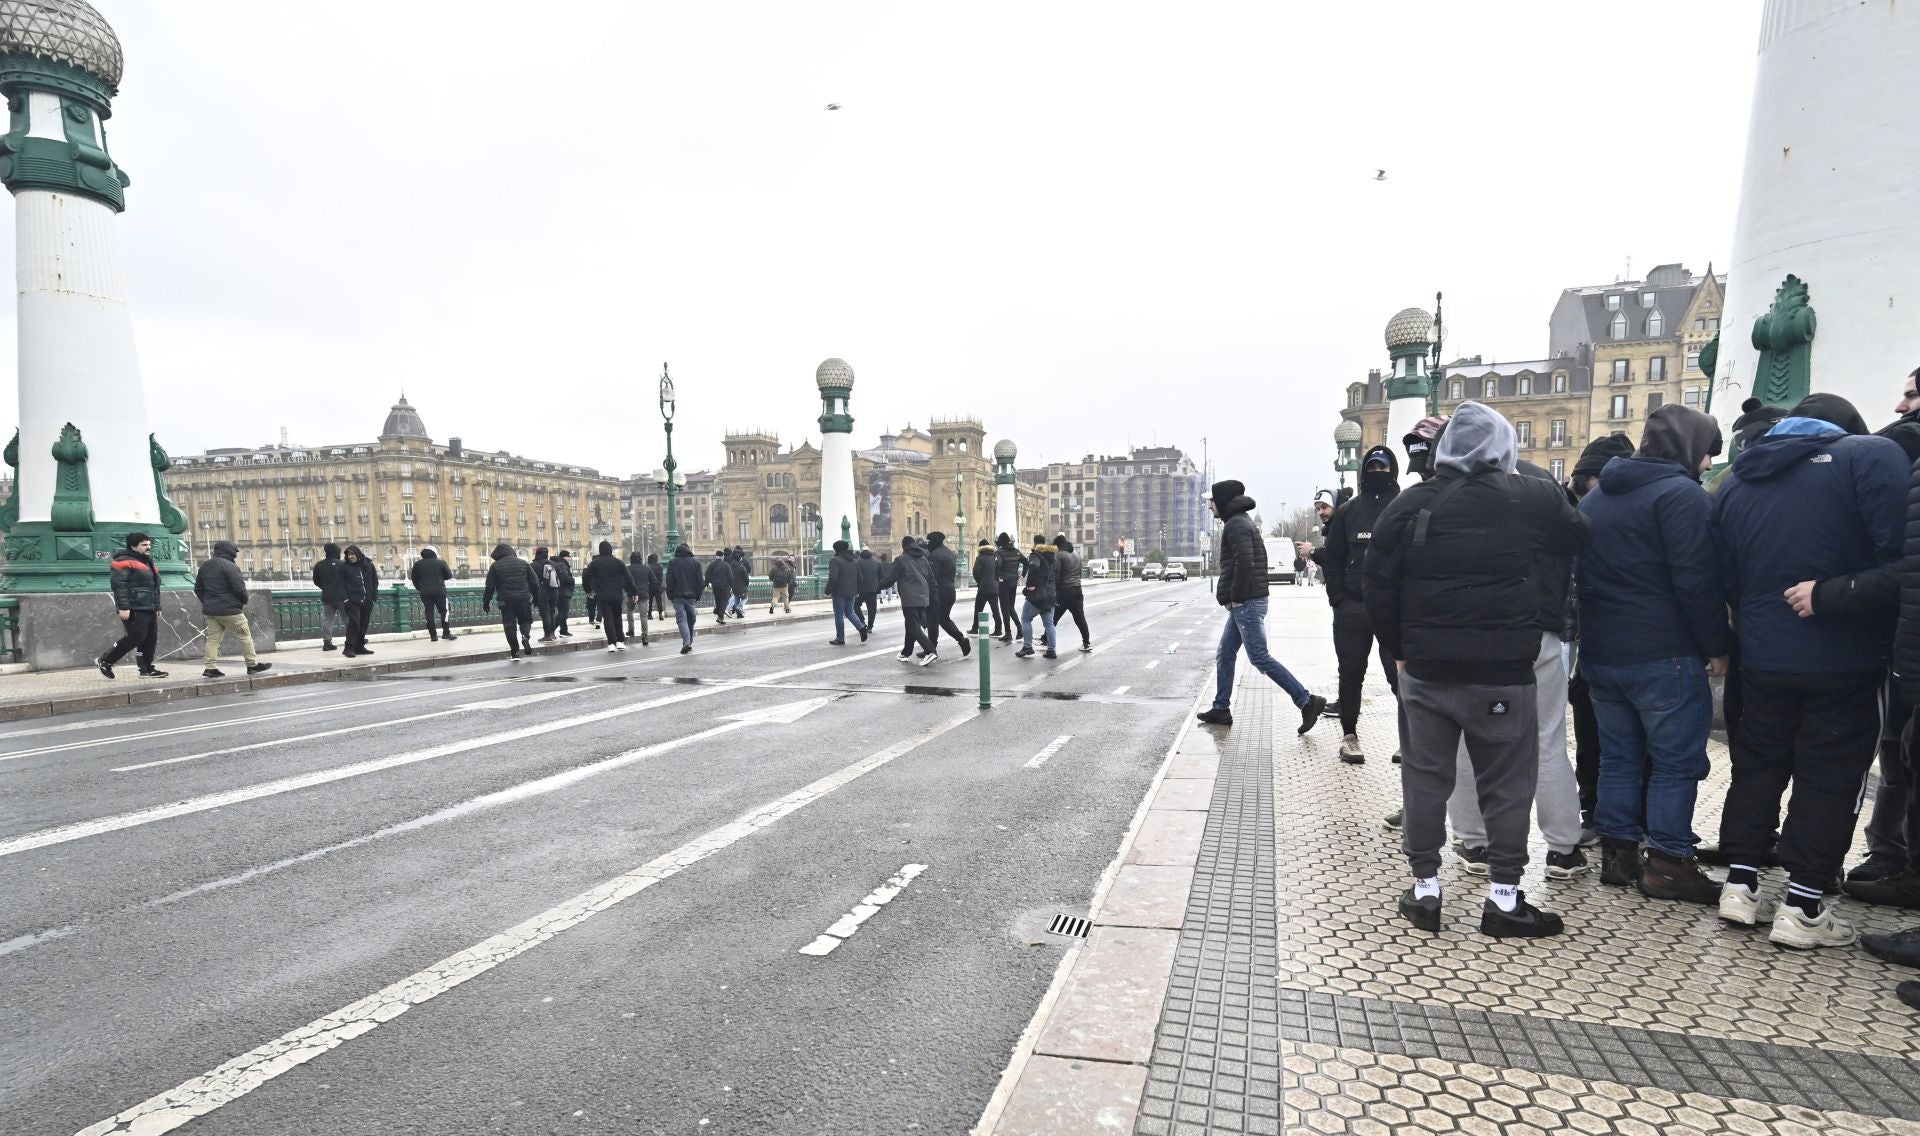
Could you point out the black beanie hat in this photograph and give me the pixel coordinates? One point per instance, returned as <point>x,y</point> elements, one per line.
<point>1224,492</point>
<point>1832,408</point>
<point>1600,451</point>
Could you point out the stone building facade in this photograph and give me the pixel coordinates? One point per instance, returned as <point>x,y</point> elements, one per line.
<point>1154,495</point>
<point>391,496</point>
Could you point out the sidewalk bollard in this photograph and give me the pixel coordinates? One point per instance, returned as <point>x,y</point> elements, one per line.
<point>982,647</point>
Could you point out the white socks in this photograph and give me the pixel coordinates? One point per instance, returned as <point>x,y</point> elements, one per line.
<point>1504,896</point>
<point>1428,888</point>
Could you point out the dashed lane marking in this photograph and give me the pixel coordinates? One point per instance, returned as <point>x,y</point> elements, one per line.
<point>1172,647</point>
<point>866,909</point>
<point>247,1072</point>
<point>1053,747</point>
<point>1152,663</point>
<point>1121,689</point>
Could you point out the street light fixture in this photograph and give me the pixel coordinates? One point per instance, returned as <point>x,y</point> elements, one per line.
<point>667,476</point>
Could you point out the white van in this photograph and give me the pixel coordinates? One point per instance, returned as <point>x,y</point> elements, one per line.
<point>1097,569</point>
<point>1281,554</point>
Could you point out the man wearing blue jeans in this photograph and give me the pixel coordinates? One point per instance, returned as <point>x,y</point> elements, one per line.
<point>1653,628</point>
<point>843,588</point>
<point>1242,590</point>
<point>685,582</point>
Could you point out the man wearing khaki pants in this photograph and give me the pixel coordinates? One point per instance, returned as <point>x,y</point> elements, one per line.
<point>222,593</point>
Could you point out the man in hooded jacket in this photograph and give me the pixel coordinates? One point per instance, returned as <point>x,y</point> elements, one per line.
<point>1070,598</point>
<point>1039,598</point>
<point>871,574</point>
<point>607,582</point>
<point>222,592</point>
<point>946,568</point>
<point>430,575</point>
<point>1653,618</point>
<point>546,595</point>
<point>1586,728</point>
<point>1008,571</point>
<point>843,589</point>
<point>640,575</point>
<point>513,581</point>
<point>986,587</point>
<point>333,594</point>
<point>1450,591</point>
<point>1808,525</point>
<point>1348,535</point>
<point>563,596</point>
<point>720,579</point>
<point>742,581</point>
<point>1243,590</point>
<point>684,583</point>
<point>360,580</point>
<point>912,576</point>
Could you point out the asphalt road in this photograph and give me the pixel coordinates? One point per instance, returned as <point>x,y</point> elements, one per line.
<point>573,896</point>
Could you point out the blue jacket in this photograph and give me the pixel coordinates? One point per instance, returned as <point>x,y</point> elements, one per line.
<point>1810,502</point>
<point>1649,581</point>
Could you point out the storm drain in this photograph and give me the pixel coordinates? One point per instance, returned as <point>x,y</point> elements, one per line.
<point>1069,926</point>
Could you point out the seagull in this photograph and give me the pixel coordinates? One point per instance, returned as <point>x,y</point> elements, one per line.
<point>833,106</point>
<point>1380,175</point>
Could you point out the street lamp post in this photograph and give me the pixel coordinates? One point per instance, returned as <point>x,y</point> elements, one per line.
<point>960,520</point>
<point>669,480</point>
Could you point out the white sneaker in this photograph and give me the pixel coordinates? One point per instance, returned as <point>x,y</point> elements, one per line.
<point>1792,929</point>
<point>620,647</point>
<point>612,647</point>
<point>1350,746</point>
<point>1741,904</point>
<point>929,659</point>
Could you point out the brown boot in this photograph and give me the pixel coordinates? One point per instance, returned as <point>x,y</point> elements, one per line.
<point>1667,877</point>
<point>1619,861</point>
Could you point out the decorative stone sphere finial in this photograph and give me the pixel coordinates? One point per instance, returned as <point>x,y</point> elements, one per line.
<point>1004,450</point>
<point>1408,327</point>
<point>69,32</point>
<point>1347,433</point>
<point>833,373</point>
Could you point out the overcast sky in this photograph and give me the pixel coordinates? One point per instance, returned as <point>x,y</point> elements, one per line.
<point>1091,225</point>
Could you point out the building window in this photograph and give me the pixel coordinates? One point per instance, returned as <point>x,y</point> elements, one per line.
<point>1700,325</point>
<point>1618,408</point>
<point>1526,384</point>
<point>1560,384</point>
<point>1559,469</point>
<point>1613,303</point>
<point>1619,330</point>
<point>1646,299</point>
<point>1693,360</point>
<point>1458,391</point>
<point>746,530</point>
<point>1656,326</point>
<point>1654,401</point>
<point>1353,399</point>
<point>777,522</point>
<point>1490,388</point>
<point>1620,372</point>
<point>1713,324</point>
<point>1557,432</point>
<point>1695,396</point>
<point>1657,369</point>
<point>1524,430</point>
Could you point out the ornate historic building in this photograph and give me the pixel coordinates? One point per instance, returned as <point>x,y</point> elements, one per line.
<point>390,496</point>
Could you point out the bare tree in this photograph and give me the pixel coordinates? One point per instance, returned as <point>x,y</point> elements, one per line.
<point>1301,524</point>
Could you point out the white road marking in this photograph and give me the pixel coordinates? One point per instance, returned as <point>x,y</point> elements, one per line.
<point>495,704</point>
<point>1152,663</point>
<point>1044,675</point>
<point>866,909</point>
<point>247,1072</point>
<point>83,829</point>
<point>1121,689</point>
<point>1053,747</point>
<point>1172,647</point>
<point>110,723</point>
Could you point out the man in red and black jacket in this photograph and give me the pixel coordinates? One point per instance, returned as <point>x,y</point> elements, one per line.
<point>136,593</point>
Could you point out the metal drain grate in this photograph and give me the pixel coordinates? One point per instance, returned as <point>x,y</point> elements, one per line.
<point>1069,926</point>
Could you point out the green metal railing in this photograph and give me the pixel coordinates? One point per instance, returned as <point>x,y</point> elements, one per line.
<point>10,630</point>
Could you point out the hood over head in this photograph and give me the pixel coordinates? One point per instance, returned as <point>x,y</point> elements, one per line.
<point>1383,481</point>
<point>841,546</point>
<point>1477,440</point>
<point>330,550</point>
<point>1680,434</point>
<point>502,550</point>
<point>428,553</point>
<point>653,558</point>
<point>1832,408</point>
<point>866,554</point>
<point>226,550</point>
<point>606,548</point>
<point>912,547</point>
<point>1791,441</point>
<point>1225,492</point>
<point>563,555</point>
<point>682,551</point>
<point>539,554</point>
<point>636,558</point>
<point>1003,541</point>
<point>353,550</point>
<point>1600,451</point>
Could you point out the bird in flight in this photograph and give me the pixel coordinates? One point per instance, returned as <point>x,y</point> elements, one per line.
<point>833,106</point>
<point>1380,175</point>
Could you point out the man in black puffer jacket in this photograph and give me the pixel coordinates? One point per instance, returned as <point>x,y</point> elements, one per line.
<point>684,583</point>
<point>1011,565</point>
<point>607,583</point>
<point>843,589</point>
<point>430,575</point>
<point>871,573</point>
<point>1348,536</point>
<point>333,595</point>
<point>946,569</point>
<point>362,583</point>
<point>222,592</point>
<point>136,593</point>
<point>1069,597</point>
<point>720,579</point>
<point>1040,598</point>
<point>513,581</point>
<point>911,576</point>
<point>641,577</point>
<point>1242,590</point>
<point>986,588</point>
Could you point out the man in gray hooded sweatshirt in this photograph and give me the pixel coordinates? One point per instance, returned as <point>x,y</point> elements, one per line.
<point>1449,591</point>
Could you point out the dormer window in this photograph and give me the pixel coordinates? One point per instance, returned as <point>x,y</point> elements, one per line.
<point>1613,303</point>
<point>1619,330</point>
<point>1646,299</point>
<point>1656,326</point>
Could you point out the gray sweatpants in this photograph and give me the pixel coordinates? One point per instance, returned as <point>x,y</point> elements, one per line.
<point>1556,795</point>
<point>1500,727</point>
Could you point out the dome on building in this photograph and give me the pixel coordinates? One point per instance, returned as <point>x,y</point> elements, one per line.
<point>833,373</point>
<point>1408,327</point>
<point>1347,433</point>
<point>1004,450</point>
<point>403,421</point>
<point>62,31</point>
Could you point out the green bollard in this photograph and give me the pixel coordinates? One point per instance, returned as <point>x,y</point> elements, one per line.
<point>982,646</point>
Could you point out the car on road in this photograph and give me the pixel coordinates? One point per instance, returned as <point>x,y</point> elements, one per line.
<point>1150,571</point>
<point>1175,572</point>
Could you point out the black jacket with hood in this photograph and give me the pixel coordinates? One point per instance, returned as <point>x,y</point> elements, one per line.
<point>563,568</point>
<point>719,575</point>
<point>1066,570</point>
<point>1040,588</point>
<point>1011,563</point>
<point>911,574</point>
<point>605,578</point>
<point>1450,585</point>
<point>430,574</point>
<point>1243,555</point>
<point>684,580</point>
<point>1815,499</point>
<point>946,568</point>
<point>1906,646</point>
<point>742,575</point>
<point>986,568</point>
<point>1350,530</point>
<point>358,577</point>
<point>219,586</point>
<point>843,573</point>
<point>510,578</point>
<point>1650,584</point>
<point>640,575</point>
<point>326,576</point>
<point>871,572</point>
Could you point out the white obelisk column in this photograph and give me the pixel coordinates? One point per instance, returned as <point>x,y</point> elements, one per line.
<point>1006,518</point>
<point>835,381</point>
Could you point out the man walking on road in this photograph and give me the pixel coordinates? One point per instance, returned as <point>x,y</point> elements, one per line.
<point>1449,591</point>
<point>430,575</point>
<point>1242,589</point>
<point>136,595</point>
<point>684,584</point>
<point>1007,571</point>
<point>720,579</point>
<point>945,567</point>
<point>563,598</point>
<point>362,583</point>
<point>640,575</point>
<point>222,592</point>
<point>780,579</point>
<point>871,573</point>
<point>910,573</point>
<point>1039,597</point>
<point>843,588</point>
<point>1348,536</point>
<point>1069,597</point>
<point>656,584</point>
<point>512,580</point>
<point>546,592</point>
<point>607,582</point>
<point>333,596</point>
<point>742,581</point>
<point>986,588</point>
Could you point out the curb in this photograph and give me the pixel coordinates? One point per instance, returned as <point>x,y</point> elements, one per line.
<point>352,672</point>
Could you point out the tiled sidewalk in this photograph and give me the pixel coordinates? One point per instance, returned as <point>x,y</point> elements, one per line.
<point>1294,1000</point>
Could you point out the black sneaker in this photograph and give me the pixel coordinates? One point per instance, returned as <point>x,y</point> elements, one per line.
<point>1873,869</point>
<point>1396,755</point>
<point>514,657</point>
<point>863,634</point>
<point>836,642</point>
<point>686,648</point>
<point>1310,713</point>
<point>151,672</point>
<point>966,649</point>
<point>1085,647</point>
<point>1902,948</point>
<point>1525,921</point>
<point>105,668</point>
<point>259,668</point>
<point>1473,859</point>
<point>328,646</point>
<point>1049,655</point>
<point>1566,865</point>
<point>212,673</point>
<point>1217,717</point>
<point>1024,653</point>
<point>1909,992</point>
<point>1423,913</point>
<point>1902,890</point>
<point>363,651</point>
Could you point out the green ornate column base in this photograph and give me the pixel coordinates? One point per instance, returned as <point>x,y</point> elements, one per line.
<point>1409,386</point>
<point>39,559</point>
<point>1784,337</point>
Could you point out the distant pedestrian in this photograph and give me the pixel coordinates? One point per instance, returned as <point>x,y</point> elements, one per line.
<point>780,579</point>
<point>1070,597</point>
<point>871,573</point>
<point>640,574</point>
<point>986,589</point>
<point>362,582</point>
<point>720,579</point>
<point>333,596</point>
<point>1038,596</point>
<point>742,582</point>
<point>1010,564</point>
<point>563,599</point>
<point>945,567</point>
<point>657,584</point>
<point>912,575</point>
<point>684,584</point>
<point>136,594</point>
<point>430,575</point>
<point>222,592</point>
<point>546,596</point>
<point>1242,589</point>
<point>513,581</point>
<point>607,583</point>
<point>843,588</point>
